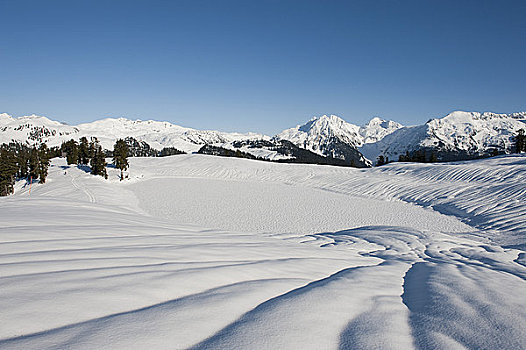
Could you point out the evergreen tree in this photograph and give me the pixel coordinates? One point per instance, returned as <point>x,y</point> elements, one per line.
<point>169,151</point>
<point>120,156</point>
<point>8,170</point>
<point>43,166</point>
<point>380,160</point>
<point>419,156</point>
<point>34,162</point>
<point>93,147</point>
<point>520,141</point>
<point>404,157</point>
<point>54,152</point>
<point>98,162</point>
<point>72,152</point>
<point>84,151</point>
<point>22,160</point>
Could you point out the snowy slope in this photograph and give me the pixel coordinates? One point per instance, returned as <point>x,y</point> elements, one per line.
<point>205,252</point>
<point>317,132</point>
<point>5,119</point>
<point>466,133</point>
<point>36,129</point>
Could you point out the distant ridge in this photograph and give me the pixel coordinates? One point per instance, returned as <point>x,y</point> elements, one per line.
<point>458,135</point>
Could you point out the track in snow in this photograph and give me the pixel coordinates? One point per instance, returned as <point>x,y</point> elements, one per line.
<point>87,275</point>
<point>90,196</point>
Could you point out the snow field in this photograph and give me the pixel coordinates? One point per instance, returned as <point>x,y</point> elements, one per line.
<point>206,252</point>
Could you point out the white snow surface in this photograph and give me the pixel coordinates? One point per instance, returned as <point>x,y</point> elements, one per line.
<point>204,252</point>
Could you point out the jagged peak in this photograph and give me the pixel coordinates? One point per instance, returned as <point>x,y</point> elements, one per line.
<point>382,123</point>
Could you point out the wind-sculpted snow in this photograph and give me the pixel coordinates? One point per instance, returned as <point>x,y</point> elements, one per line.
<point>205,252</point>
<point>486,194</point>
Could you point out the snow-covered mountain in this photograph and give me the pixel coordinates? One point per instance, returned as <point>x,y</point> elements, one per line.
<point>37,129</point>
<point>333,136</point>
<point>459,135</point>
<point>377,129</point>
<point>317,132</point>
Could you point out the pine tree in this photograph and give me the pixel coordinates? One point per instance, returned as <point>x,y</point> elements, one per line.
<point>98,162</point>
<point>420,156</point>
<point>405,157</point>
<point>520,141</point>
<point>380,160</point>
<point>22,160</point>
<point>120,156</point>
<point>44,162</point>
<point>8,170</point>
<point>84,151</point>
<point>34,161</point>
<point>72,152</point>
<point>92,147</point>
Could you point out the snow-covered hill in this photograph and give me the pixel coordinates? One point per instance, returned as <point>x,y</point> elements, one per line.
<point>456,136</point>
<point>203,252</point>
<point>36,129</point>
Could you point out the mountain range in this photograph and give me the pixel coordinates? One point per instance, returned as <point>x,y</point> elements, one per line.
<point>459,135</point>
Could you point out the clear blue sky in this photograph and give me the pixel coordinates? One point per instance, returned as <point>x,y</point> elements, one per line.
<point>261,65</point>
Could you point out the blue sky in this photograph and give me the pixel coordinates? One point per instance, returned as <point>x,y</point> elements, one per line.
<point>261,65</point>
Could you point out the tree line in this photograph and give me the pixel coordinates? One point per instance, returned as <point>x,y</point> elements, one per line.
<point>18,161</point>
<point>90,153</point>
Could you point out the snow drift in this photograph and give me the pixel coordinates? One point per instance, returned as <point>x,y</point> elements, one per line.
<point>206,252</point>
